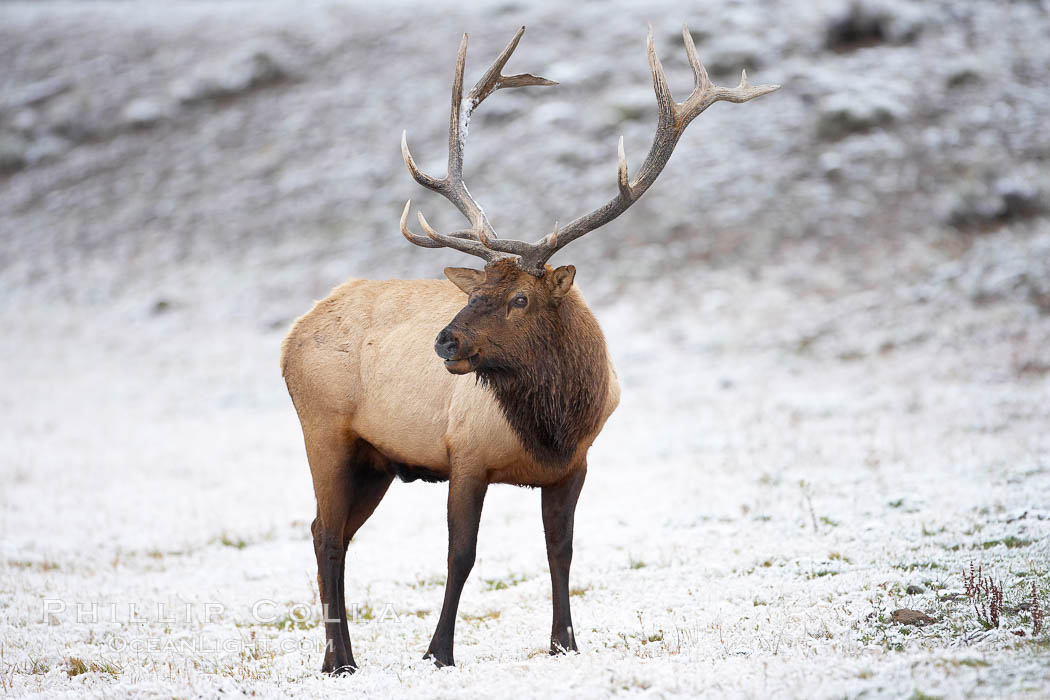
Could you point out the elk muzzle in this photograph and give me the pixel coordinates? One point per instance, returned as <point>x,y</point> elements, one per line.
<point>458,353</point>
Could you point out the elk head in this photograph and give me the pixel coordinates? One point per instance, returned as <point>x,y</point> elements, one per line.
<point>513,304</point>
<point>509,313</point>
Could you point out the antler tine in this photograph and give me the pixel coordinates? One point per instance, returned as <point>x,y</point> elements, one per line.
<point>431,183</point>
<point>493,79</point>
<point>672,119</point>
<point>621,172</point>
<point>705,93</point>
<point>481,239</point>
<point>464,244</point>
<point>421,241</point>
<point>465,240</point>
<point>424,241</point>
<point>664,101</point>
<point>457,124</point>
<point>700,77</point>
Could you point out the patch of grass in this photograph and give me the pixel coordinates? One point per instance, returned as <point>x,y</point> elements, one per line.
<point>837,556</point>
<point>362,611</point>
<point>578,591</point>
<point>828,521</point>
<point>1010,542</point>
<point>657,636</point>
<point>821,573</point>
<point>919,695</point>
<point>235,542</point>
<point>290,621</point>
<point>499,584</point>
<point>45,565</point>
<point>78,666</point>
<point>633,563</point>
<point>490,615</point>
<point>929,565</point>
<point>436,580</point>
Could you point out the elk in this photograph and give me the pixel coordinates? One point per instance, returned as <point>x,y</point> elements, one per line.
<point>375,403</point>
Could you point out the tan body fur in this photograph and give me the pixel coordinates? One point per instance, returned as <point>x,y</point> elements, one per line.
<point>345,364</point>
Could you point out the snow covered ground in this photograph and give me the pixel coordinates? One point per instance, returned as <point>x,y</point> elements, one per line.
<point>831,319</point>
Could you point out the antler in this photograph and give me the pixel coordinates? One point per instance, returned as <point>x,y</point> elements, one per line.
<point>480,239</point>
<point>674,117</point>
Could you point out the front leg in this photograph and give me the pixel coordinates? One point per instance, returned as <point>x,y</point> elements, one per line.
<point>466,494</point>
<point>559,509</point>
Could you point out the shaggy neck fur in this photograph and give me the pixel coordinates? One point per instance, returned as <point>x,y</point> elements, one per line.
<point>554,392</point>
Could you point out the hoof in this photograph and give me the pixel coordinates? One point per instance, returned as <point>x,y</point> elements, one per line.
<point>344,670</point>
<point>439,660</point>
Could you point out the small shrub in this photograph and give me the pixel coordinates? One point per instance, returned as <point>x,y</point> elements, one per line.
<point>985,595</point>
<point>1037,613</point>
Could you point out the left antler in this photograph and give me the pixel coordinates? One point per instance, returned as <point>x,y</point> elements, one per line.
<point>674,117</point>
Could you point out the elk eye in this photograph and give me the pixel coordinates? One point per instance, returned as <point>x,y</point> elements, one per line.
<point>520,301</point>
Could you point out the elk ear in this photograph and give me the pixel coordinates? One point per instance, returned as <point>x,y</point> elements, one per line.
<point>465,278</point>
<point>561,281</point>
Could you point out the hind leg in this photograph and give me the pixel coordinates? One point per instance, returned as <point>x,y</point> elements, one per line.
<point>329,454</point>
<point>331,558</point>
<point>348,489</point>
<point>367,488</point>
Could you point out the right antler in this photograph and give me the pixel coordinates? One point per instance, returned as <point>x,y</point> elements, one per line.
<point>452,186</point>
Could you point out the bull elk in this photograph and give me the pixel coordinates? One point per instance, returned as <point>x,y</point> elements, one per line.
<point>376,404</point>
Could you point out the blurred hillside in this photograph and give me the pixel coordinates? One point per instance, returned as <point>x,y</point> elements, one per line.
<point>256,144</point>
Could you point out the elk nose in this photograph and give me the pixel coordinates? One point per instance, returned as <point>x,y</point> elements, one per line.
<point>446,345</point>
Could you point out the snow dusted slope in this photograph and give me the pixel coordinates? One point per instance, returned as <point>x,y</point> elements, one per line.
<point>831,318</point>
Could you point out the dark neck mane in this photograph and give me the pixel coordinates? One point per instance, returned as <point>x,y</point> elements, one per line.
<point>555,396</point>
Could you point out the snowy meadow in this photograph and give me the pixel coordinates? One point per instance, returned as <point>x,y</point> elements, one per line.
<point>830,318</point>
